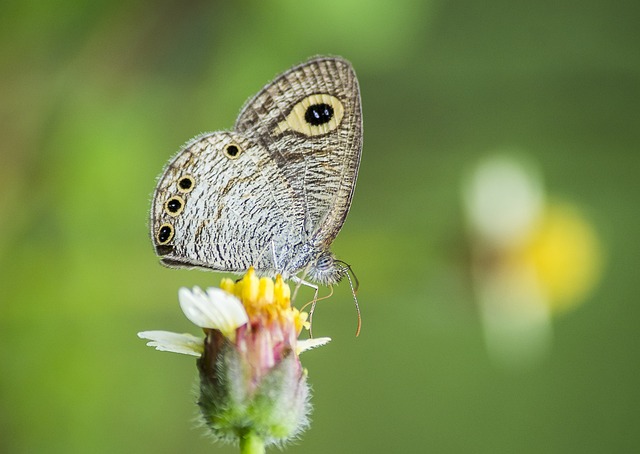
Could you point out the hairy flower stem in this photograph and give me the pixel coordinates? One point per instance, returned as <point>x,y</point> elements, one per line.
<point>251,444</point>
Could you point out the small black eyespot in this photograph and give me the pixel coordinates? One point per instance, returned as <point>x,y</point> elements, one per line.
<point>318,114</point>
<point>165,234</point>
<point>174,205</point>
<point>186,183</point>
<point>232,151</point>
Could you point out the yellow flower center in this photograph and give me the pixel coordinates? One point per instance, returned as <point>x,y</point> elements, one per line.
<point>267,300</point>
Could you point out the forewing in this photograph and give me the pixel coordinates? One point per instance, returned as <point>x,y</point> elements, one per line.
<point>309,120</point>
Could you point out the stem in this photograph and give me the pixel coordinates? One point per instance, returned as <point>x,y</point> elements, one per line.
<point>251,444</point>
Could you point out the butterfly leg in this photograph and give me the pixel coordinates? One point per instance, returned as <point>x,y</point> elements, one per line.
<point>299,282</point>
<point>274,256</point>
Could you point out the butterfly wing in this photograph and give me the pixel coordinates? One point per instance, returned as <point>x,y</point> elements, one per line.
<point>223,204</point>
<point>309,120</point>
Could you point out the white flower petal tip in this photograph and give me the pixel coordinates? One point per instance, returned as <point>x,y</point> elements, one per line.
<point>308,344</point>
<point>504,197</point>
<point>167,341</point>
<point>215,309</point>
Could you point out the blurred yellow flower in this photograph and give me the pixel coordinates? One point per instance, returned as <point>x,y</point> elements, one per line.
<point>565,253</point>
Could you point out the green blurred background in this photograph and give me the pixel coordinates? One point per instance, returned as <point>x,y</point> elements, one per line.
<point>96,96</point>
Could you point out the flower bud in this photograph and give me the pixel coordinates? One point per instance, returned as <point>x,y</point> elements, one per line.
<point>236,398</point>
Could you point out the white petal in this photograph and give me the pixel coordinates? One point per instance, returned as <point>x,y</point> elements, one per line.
<point>504,198</point>
<point>167,341</point>
<point>215,309</point>
<point>308,344</point>
<point>231,308</point>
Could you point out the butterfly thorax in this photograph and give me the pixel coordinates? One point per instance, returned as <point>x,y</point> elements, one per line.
<point>311,265</point>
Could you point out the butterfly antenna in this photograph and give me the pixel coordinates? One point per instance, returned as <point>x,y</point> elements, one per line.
<point>346,268</point>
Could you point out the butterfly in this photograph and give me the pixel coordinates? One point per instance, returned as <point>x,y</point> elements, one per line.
<point>273,192</point>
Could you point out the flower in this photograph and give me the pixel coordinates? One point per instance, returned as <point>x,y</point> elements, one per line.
<point>253,389</point>
<point>532,258</point>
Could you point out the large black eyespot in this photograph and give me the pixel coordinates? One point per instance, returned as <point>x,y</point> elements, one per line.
<point>186,183</point>
<point>232,151</point>
<point>315,115</point>
<point>165,233</point>
<point>174,205</point>
<point>318,114</point>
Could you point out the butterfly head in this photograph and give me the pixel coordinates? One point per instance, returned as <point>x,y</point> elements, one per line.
<point>327,270</point>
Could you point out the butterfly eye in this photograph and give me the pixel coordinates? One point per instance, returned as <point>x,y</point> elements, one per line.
<point>186,184</point>
<point>232,151</point>
<point>174,206</point>
<point>165,234</point>
<point>313,116</point>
